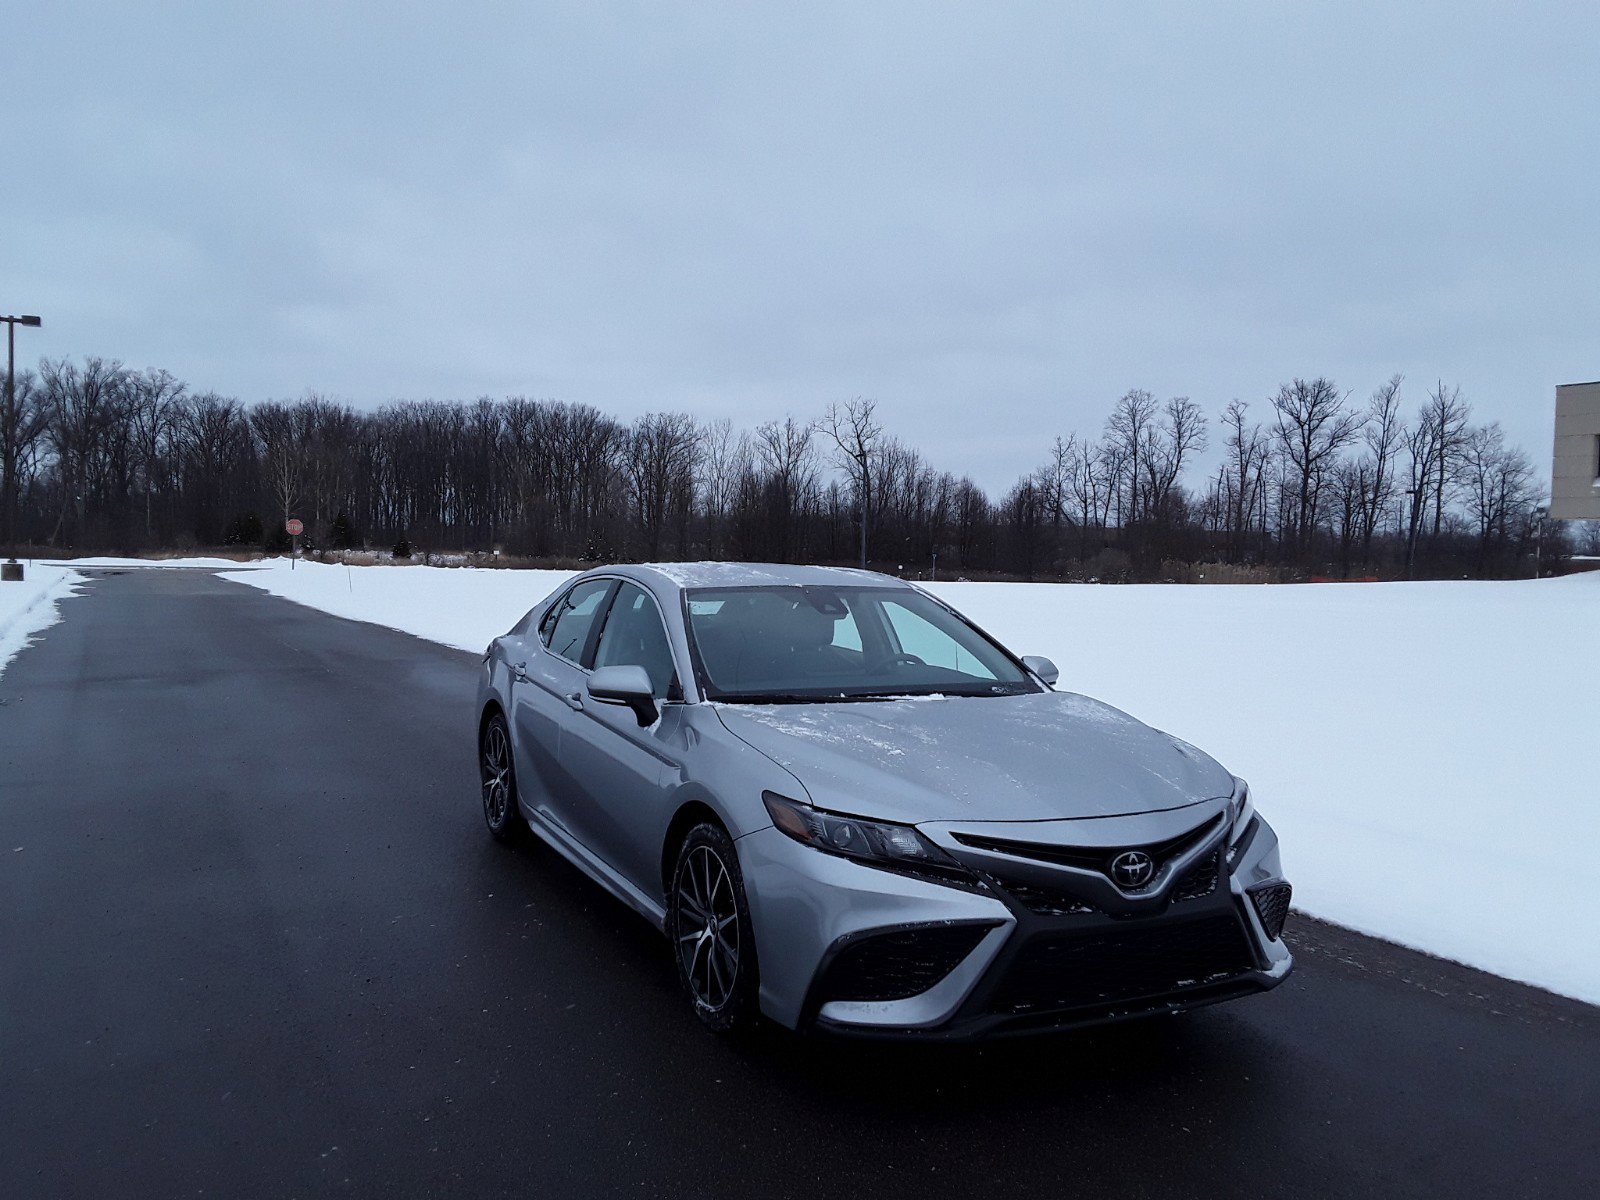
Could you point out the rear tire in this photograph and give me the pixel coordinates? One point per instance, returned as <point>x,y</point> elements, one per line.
<point>708,923</point>
<point>498,778</point>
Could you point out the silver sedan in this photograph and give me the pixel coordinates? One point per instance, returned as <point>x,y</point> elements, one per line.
<point>848,808</point>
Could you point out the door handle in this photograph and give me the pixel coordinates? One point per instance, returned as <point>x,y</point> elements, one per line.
<point>574,700</point>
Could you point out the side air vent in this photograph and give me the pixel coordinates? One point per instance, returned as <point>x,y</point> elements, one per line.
<point>901,964</point>
<point>1272,906</point>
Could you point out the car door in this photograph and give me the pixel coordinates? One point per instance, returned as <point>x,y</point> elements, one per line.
<point>624,776</point>
<point>546,689</point>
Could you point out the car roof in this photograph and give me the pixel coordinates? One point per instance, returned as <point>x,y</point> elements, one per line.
<point>741,574</point>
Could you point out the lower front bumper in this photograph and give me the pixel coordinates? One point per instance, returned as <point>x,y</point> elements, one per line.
<point>1025,972</point>
<point>982,1026</point>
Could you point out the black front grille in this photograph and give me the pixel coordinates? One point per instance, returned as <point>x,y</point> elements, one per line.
<point>1200,879</point>
<point>1092,858</point>
<point>1272,906</point>
<point>1046,901</point>
<point>1064,971</point>
<point>893,966</point>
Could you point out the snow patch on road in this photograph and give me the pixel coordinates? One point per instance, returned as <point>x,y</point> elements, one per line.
<point>29,607</point>
<point>1423,749</point>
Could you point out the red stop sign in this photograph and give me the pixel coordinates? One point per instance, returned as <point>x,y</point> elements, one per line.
<point>294,527</point>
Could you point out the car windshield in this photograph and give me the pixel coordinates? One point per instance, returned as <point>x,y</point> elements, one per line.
<point>773,644</point>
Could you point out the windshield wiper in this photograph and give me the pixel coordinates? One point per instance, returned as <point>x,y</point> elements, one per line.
<point>802,698</point>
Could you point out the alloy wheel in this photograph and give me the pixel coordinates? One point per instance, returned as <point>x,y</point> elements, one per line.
<point>496,770</point>
<point>708,928</point>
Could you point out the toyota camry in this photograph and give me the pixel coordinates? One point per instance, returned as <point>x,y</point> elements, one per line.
<point>850,809</point>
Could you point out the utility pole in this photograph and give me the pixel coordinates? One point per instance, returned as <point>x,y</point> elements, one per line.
<point>11,569</point>
<point>1411,530</point>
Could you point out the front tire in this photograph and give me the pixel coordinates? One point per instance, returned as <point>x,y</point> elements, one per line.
<point>499,780</point>
<point>708,921</point>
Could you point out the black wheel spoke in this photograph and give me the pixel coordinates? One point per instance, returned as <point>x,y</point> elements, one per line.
<point>693,907</point>
<point>707,932</point>
<point>495,768</point>
<point>716,969</point>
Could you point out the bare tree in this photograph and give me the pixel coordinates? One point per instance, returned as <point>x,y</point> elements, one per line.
<point>87,408</point>
<point>1448,416</point>
<point>663,451</point>
<point>281,432</point>
<point>855,433</point>
<point>1055,481</point>
<point>1352,493</point>
<point>214,445</point>
<point>1383,433</point>
<point>1129,431</point>
<point>153,397</point>
<point>1311,426</point>
<point>23,425</point>
<point>1168,446</point>
<point>781,490</point>
<point>1498,482</point>
<point>724,458</point>
<point>109,456</point>
<point>1085,486</point>
<point>1243,475</point>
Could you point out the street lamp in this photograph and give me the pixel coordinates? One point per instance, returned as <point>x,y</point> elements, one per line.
<point>1411,533</point>
<point>11,570</point>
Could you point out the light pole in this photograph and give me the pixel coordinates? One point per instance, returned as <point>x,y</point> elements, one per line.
<point>1540,511</point>
<point>1411,532</point>
<point>11,570</point>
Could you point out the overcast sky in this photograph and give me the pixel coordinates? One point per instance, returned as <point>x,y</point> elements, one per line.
<point>992,218</point>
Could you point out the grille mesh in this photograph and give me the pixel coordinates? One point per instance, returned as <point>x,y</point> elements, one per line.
<point>1046,901</point>
<point>894,966</point>
<point>1063,971</point>
<point>1272,906</point>
<point>1200,880</point>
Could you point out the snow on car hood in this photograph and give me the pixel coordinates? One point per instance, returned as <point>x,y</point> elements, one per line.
<point>1036,757</point>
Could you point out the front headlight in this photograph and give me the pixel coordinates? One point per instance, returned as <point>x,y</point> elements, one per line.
<point>1243,812</point>
<point>852,837</point>
<point>1243,809</point>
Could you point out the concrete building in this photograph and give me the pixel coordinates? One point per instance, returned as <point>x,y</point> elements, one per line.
<point>1575,475</point>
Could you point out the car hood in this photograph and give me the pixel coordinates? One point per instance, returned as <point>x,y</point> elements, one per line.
<point>1038,757</point>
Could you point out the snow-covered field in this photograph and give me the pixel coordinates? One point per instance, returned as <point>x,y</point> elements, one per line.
<point>148,564</point>
<point>1426,751</point>
<point>30,606</point>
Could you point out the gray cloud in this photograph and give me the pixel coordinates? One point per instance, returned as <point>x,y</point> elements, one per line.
<point>994,219</point>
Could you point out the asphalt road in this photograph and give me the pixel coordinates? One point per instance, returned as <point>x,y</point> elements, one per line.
<point>255,942</point>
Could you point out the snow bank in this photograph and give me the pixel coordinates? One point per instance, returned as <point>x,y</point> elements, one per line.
<point>28,607</point>
<point>1424,750</point>
<point>464,607</point>
<point>226,564</point>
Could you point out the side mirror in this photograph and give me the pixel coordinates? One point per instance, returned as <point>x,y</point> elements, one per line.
<point>1042,667</point>
<point>626,685</point>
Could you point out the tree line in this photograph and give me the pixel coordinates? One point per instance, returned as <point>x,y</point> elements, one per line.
<point>97,456</point>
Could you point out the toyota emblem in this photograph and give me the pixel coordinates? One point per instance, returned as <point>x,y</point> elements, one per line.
<point>1132,869</point>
